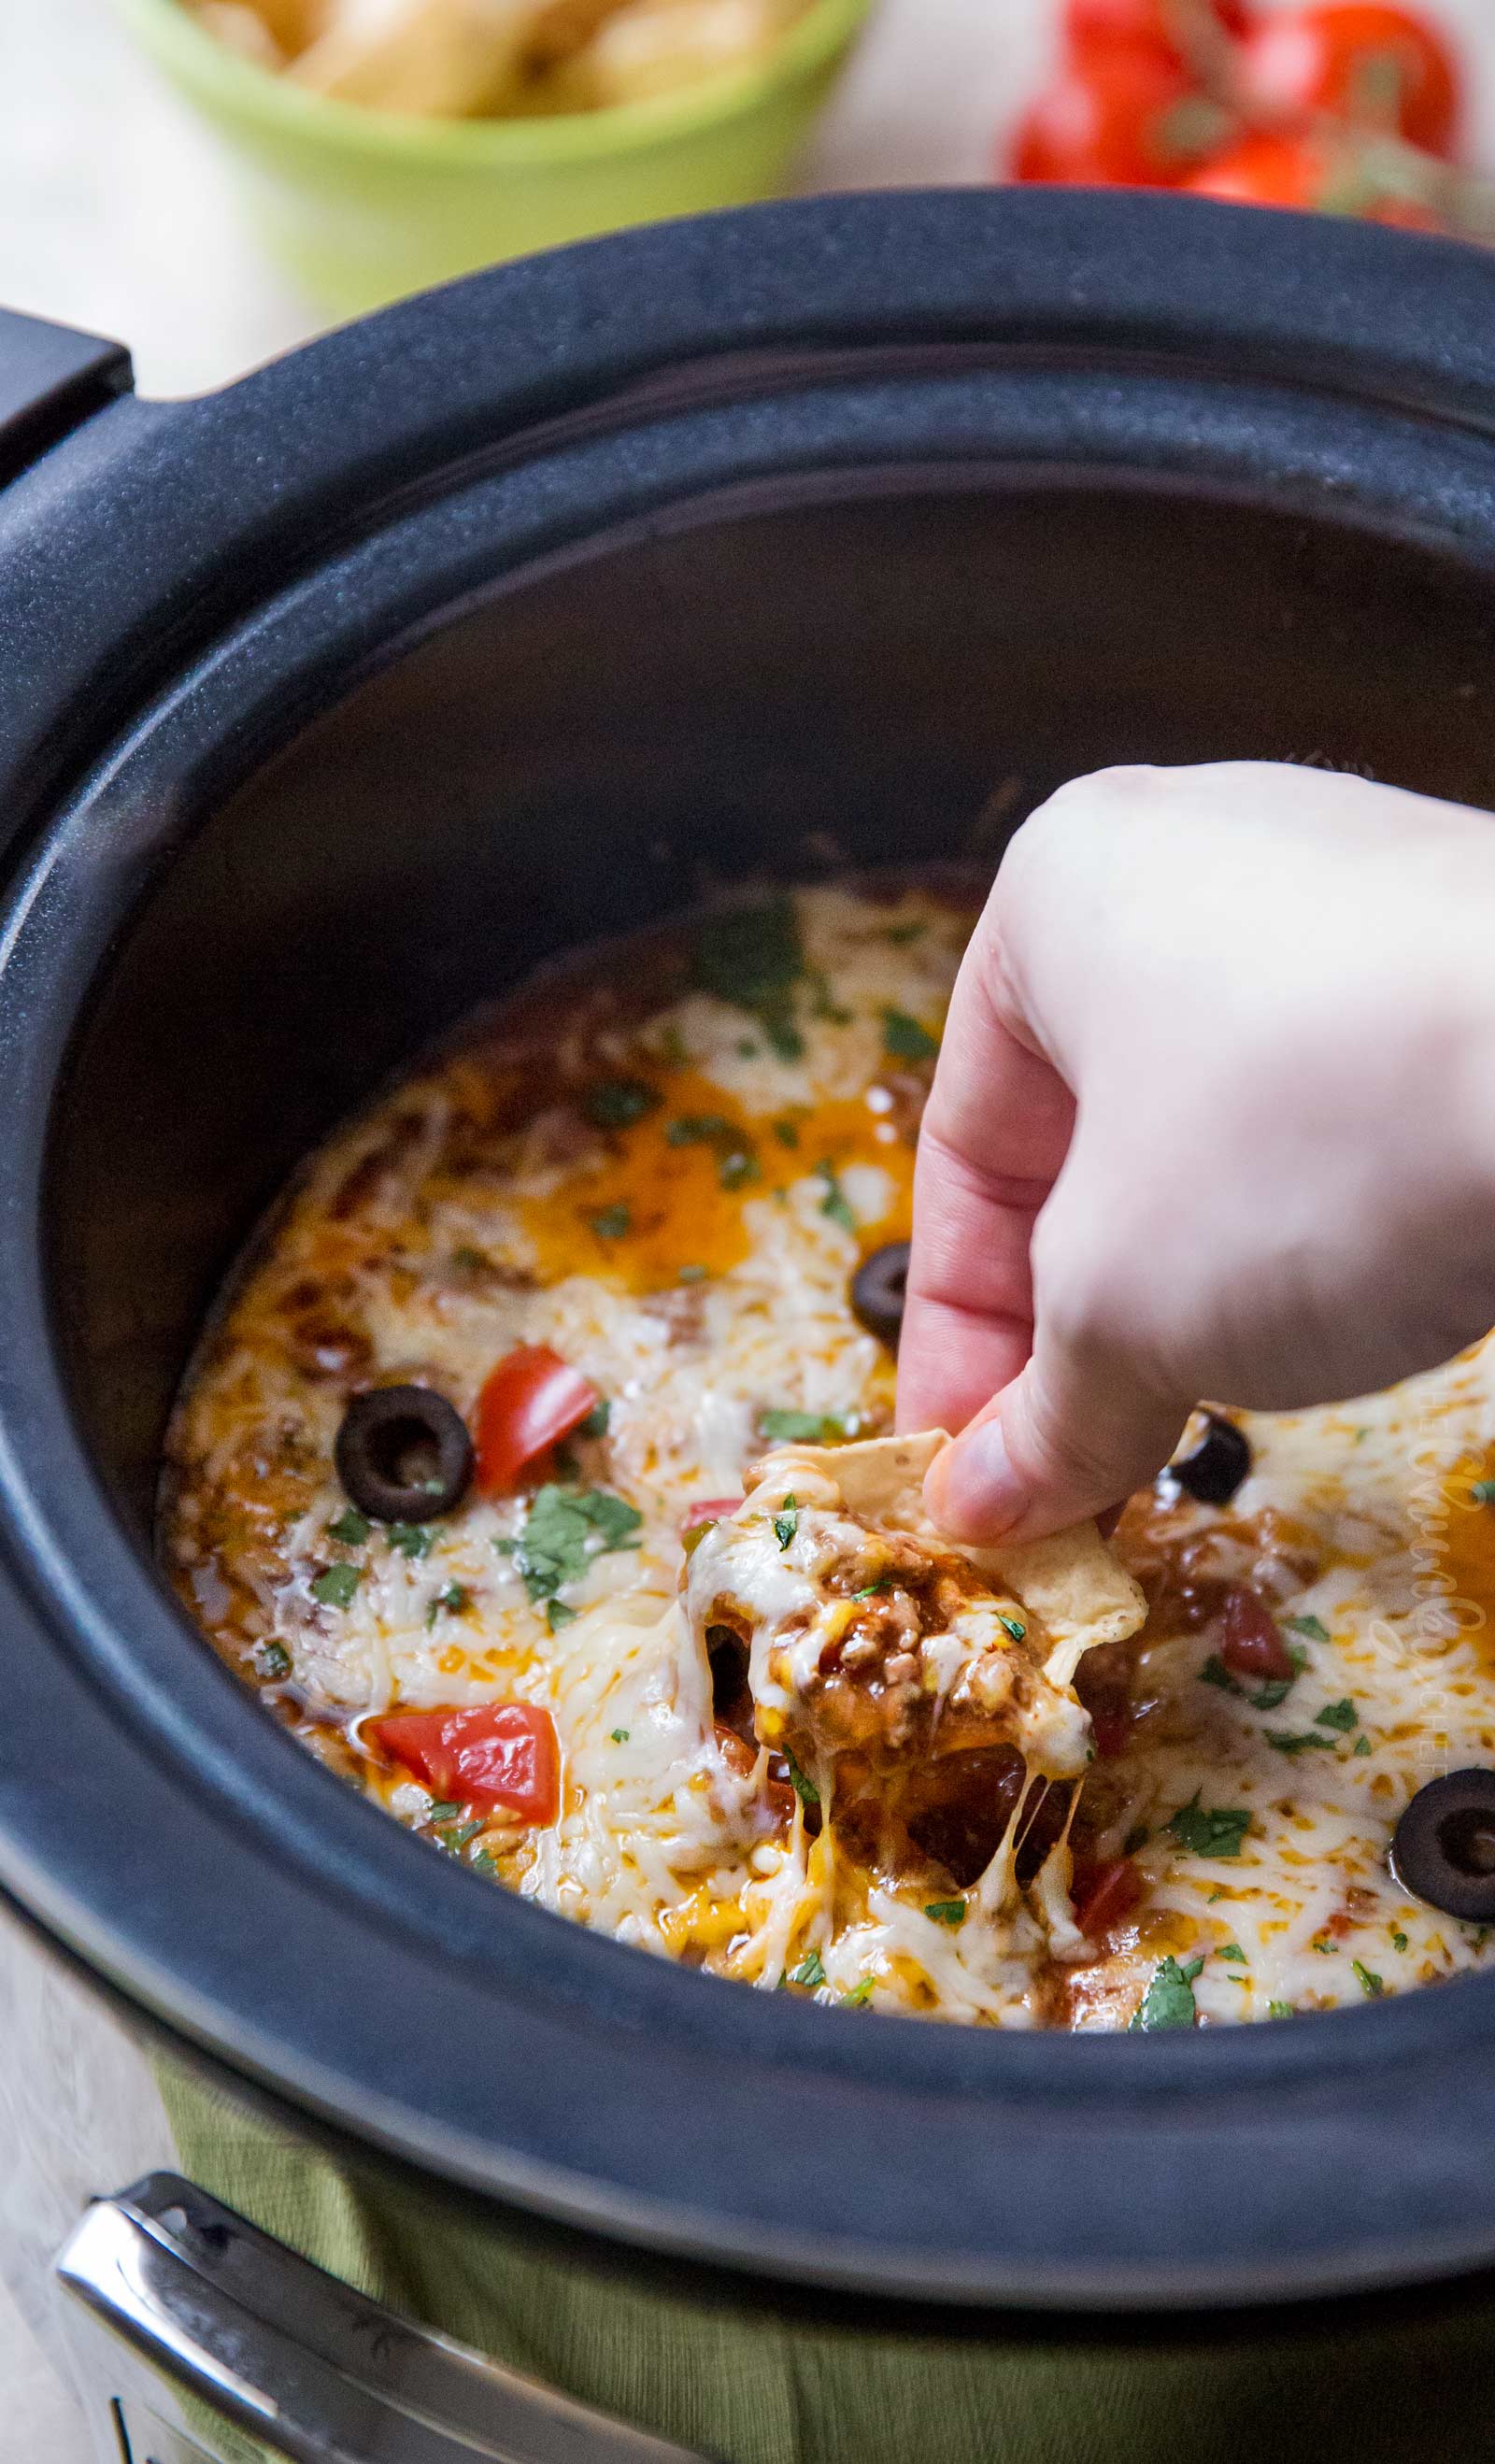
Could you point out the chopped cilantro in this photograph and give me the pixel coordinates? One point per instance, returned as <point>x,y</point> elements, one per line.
<point>617,1103</point>
<point>1169,1999</point>
<point>1233,1950</point>
<point>1270,1692</point>
<point>946,1912</point>
<point>411,1539</point>
<point>672,1047</point>
<point>822,1002</point>
<point>1341,1715</point>
<point>691,1275</point>
<point>747,952</point>
<point>859,1996</point>
<point>905,1039</point>
<point>1219,1894</point>
<point>1279,2010</point>
<point>1399,1940</point>
<point>698,1130</point>
<point>746,1048</point>
<point>1481,1492</point>
<point>786,1524</point>
<point>901,934</point>
<point>786,1133</point>
<point>834,1202</point>
<point>1370,1983</point>
<point>444,1809</point>
<point>752,957</point>
<point>802,1784</point>
<point>1265,1698</point>
<point>558,1615</point>
<point>274,1661</point>
<point>736,1170</point>
<point>1214,1830</point>
<point>468,1259</point>
<point>460,1836</point>
<point>1362,1744</point>
<point>448,1602</point>
<point>1014,1626</point>
<point>1283,1742</point>
<point>870,1591</point>
<point>335,1588</point>
<point>1313,1627</point>
<point>810,1971</point>
<point>595,1425</point>
<point>802,1428</point>
<point>619,1736</point>
<point>564,1529</point>
<point>612,1222</point>
<point>351,1528</point>
<point>485,1863</point>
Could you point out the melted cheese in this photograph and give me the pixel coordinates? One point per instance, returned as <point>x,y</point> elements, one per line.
<point>460,1217</point>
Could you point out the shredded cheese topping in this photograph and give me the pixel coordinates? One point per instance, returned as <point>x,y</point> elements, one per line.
<point>667,1169</point>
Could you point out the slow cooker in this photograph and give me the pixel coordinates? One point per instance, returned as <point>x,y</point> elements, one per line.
<point>330,704</point>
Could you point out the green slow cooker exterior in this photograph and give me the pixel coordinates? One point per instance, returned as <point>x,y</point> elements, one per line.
<point>1390,2381</point>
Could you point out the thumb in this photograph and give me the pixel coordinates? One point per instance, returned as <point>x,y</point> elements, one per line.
<point>1068,1437</point>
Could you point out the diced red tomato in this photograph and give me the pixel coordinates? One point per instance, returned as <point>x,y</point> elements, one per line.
<point>1105,1895</point>
<point>1253,1646</point>
<point>1293,171</point>
<point>1265,170</point>
<point>495,1753</point>
<point>1092,26</point>
<point>531,1401</point>
<point>1379,68</point>
<point>1128,118</point>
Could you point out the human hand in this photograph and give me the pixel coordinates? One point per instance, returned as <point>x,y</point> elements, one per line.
<point>1214,1116</point>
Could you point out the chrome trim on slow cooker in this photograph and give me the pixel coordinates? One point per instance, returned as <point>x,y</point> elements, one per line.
<point>209,2305</point>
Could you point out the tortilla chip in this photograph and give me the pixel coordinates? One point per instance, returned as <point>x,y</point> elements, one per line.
<point>434,59</point>
<point>1080,1593</point>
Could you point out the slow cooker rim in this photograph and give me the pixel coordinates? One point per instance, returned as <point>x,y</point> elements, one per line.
<point>255,479</point>
<point>787,2023</point>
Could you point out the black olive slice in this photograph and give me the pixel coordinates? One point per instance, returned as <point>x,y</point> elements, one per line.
<point>1213,1470</point>
<point>878,1288</point>
<point>1444,1848</point>
<point>404,1454</point>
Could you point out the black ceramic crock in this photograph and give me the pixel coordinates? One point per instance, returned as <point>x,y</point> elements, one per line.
<point>518,614</point>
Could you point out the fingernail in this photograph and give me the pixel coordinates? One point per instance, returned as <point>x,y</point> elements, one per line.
<point>976,1495</point>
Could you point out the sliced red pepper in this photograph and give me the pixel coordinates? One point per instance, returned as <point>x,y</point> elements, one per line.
<point>1253,1646</point>
<point>495,1753</point>
<point>1106,1895</point>
<point>531,1401</point>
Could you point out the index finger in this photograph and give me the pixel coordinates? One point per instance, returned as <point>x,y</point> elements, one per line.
<point>995,1131</point>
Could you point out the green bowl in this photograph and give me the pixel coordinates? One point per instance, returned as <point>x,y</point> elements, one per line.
<point>361,206</point>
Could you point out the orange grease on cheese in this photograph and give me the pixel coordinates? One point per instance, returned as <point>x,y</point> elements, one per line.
<point>1456,1547</point>
<point>657,1206</point>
